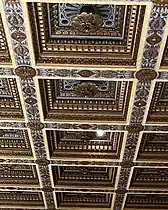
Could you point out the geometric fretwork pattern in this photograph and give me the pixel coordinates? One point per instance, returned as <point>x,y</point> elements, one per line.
<point>85,100</point>
<point>84,105</point>
<point>67,176</point>
<point>15,143</point>
<point>84,144</point>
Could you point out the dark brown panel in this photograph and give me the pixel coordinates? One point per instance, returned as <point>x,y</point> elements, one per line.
<point>150,178</point>
<point>84,144</point>
<point>84,200</point>
<point>146,201</point>
<point>153,147</point>
<point>87,177</point>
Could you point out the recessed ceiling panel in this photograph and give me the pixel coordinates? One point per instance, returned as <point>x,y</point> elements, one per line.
<point>10,104</point>
<point>84,200</point>
<point>83,144</point>
<point>149,178</point>
<point>159,104</point>
<point>77,176</point>
<point>146,201</point>
<point>92,100</point>
<point>18,175</point>
<point>15,143</point>
<point>11,199</point>
<point>153,147</point>
<point>84,34</point>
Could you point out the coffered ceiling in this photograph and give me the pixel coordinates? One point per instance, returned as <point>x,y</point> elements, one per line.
<point>84,104</point>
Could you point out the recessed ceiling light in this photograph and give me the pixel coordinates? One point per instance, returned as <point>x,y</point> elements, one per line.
<point>100,132</point>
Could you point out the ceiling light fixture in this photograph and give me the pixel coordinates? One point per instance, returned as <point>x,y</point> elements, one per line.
<point>100,133</point>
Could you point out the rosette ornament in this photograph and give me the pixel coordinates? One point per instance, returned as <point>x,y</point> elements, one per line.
<point>88,21</point>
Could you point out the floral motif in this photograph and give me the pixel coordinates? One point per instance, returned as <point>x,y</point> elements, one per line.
<point>146,74</point>
<point>42,162</point>
<point>87,23</point>
<point>18,36</point>
<point>15,20</point>
<point>85,90</point>
<point>85,73</point>
<point>155,33</point>
<point>134,128</point>
<point>25,72</point>
<point>35,125</point>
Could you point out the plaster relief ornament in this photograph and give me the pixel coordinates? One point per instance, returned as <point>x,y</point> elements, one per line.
<point>35,125</point>
<point>87,22</point>
<point>25,72</point>
<point>86,90</point>
<point>146,74</point>
<point>134,128</point>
